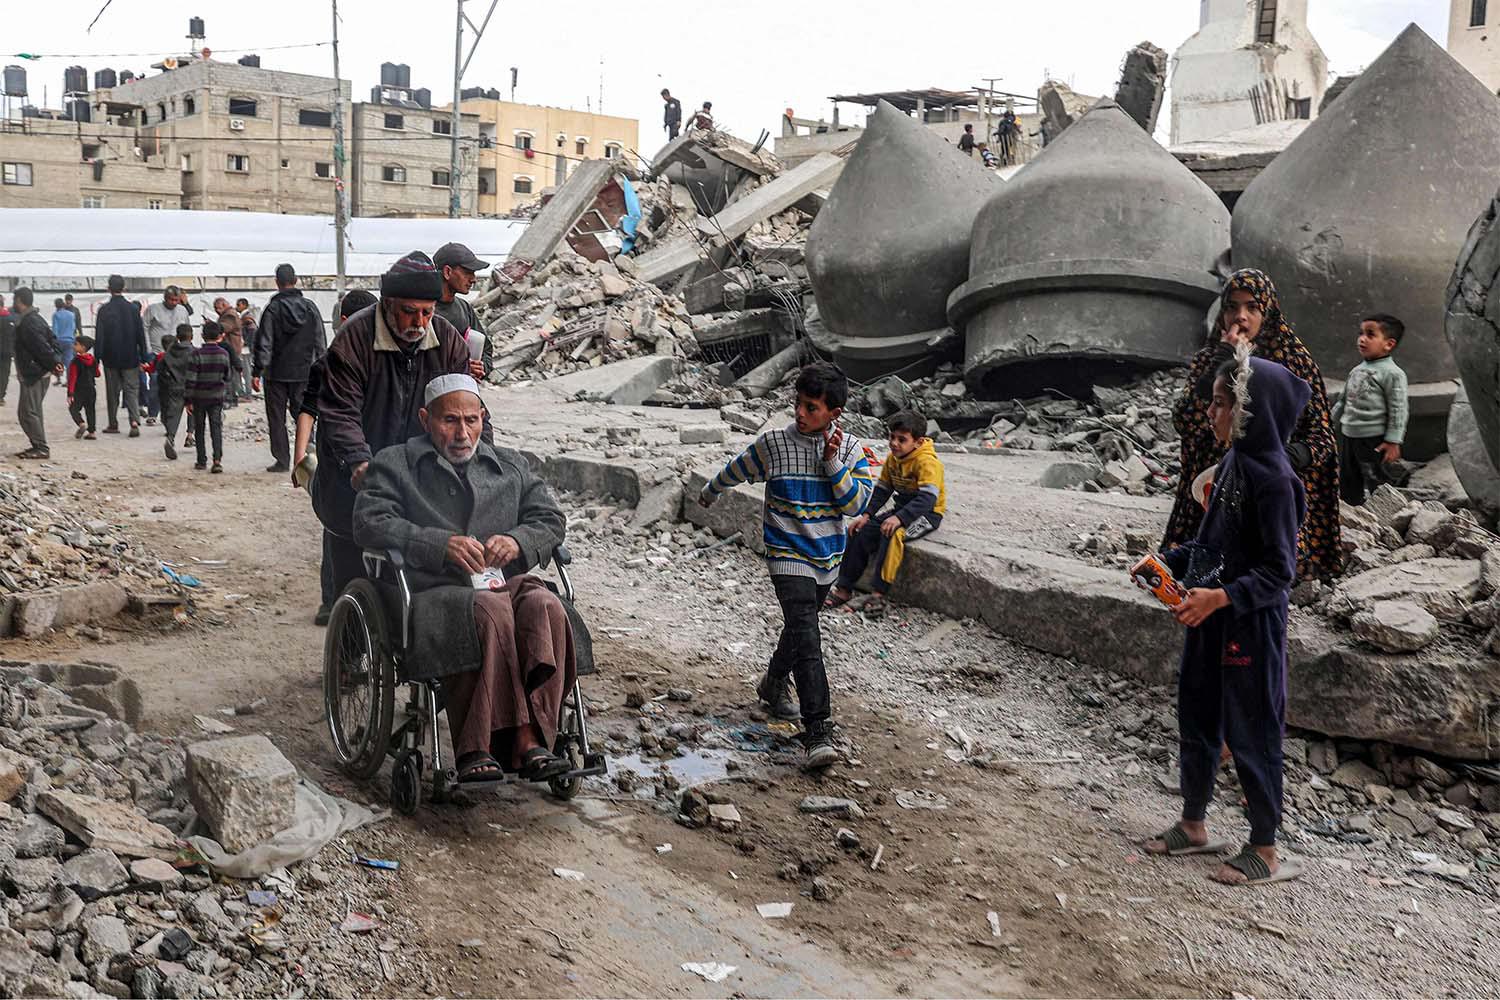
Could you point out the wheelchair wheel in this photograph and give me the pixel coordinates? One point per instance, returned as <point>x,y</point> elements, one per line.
<point>359,680</point>
<point>567,747</point>
<point>406,782</point>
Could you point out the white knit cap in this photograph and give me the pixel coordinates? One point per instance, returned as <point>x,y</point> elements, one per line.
<point>444,384</point>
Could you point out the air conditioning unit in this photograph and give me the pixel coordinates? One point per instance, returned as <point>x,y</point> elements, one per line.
<point>236,124</point>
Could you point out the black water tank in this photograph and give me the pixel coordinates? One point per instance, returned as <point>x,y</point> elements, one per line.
<point>75,80</point>
<point>15,82</point>
<point>374,95</point>
<point>30,111</point>
<point>469,93</point>
<point>79,111</point>
<point>195,27</point>
<point>403,75</point>
<point>104,79</point>
<point>126,75</point>
<point>389,75</point>
<point>423,97</point>
<point>249,60</point>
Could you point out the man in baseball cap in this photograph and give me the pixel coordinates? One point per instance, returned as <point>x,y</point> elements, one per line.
<point>459,266</point>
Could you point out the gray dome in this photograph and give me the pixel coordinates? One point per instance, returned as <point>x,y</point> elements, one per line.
<point>893,241</point>
<point>1100,252</point>
<point>1473,328</point>
<point>1367,209</point>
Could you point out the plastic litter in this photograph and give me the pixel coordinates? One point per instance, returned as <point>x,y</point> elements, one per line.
<point>185,579</point>
<point>714,972</point>
<point>772,911</point>
<point>319,818</point>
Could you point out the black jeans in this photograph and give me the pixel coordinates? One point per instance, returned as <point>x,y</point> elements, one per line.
<point>799,653</point>
<point>4,375</point>
<point>81,406</point>
<point>282,398</point>
<point>345,561</point>
<point>213,415</point>
<point>1361,469</point>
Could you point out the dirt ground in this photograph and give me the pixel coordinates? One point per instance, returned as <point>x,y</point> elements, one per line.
<point>1042,834</point>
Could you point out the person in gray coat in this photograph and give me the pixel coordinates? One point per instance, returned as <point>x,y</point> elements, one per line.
<point>462,513</point>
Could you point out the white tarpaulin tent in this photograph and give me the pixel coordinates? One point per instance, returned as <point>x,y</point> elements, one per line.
<point>82,243</point>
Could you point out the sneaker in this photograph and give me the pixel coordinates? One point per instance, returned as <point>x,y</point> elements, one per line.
<point>278,467</point>
<point>135,430</point>
<point>780,702</point>
<point>321,617</point>
<point>171,451</point>
<point>150,421</point>
<point>200,466</point>
<point>80,432</point>
<point>821,753</point>
<point>217,467</point>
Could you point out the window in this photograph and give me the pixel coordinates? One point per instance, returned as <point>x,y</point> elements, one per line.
<point>16,173</point>
<point>322,169</point>
<point>189,105</point>
<point>522,184</point>
<point>440,178</point>
<point>581,146</point>
<point>523,140</point>
<point>442,126</point>
<point>1478,13</point>
<point>153,203</point>
<point>611,150</point>
<point>1265,27</point>
<point>187,163</point>
<point>238,163</point>
<point>318,119</point>
<point>242,107</point>
<point>90,151</point>
<point>161,112</point>
<point>395,173</point>
<point>394,121</point>
<point>286,164</point>
<point>93,201</point>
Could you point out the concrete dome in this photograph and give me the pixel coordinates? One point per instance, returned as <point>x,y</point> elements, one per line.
<point>1473,328</point>
<point>1099,253</point>
<point>1477,472</point>
<point>893,241</point>
<point>1368,208</point>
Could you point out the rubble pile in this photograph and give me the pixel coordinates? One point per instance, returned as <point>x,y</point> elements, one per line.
<point>103,898</point>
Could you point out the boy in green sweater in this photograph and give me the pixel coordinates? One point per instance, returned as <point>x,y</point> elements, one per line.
<point>1371,414</point>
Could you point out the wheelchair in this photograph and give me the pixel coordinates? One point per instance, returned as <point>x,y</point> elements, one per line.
<point>364,660</point>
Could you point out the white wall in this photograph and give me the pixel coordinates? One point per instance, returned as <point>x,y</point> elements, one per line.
<point>1216,70</point>
<point>1478,47</point>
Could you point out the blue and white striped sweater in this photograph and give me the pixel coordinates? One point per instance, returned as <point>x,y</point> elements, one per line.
<point>807,499</point>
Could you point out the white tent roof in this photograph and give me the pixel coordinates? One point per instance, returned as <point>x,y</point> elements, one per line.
<point>91,242</point>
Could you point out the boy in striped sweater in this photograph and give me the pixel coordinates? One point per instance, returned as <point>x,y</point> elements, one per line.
<point>208,381</point>
<point>815,476</point>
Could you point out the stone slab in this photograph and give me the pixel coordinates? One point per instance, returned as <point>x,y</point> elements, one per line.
<point>34,613</point>
<point>628,383</point>
<point>542,235</point>
<point>108,825</point>
<point>243,788</point>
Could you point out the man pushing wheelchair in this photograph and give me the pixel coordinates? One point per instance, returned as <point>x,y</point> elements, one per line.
<point>468,520</point>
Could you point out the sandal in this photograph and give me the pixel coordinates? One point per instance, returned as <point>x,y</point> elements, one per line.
<point>478,766</point>
<point>539,764</point>
<point>1180,845</point>
<point>1257,872</point>
<point>833,600</point>
<point>34,454</point>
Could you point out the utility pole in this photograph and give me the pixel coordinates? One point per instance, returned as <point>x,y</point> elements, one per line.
<point>461,63</point>
<point>339,201</point>
<point>989,104</point>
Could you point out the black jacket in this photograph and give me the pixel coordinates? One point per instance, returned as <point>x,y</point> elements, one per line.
<point>7,333</point>
<point>120,336</point>
<point>672,115</point>
<point>289,338</point>
<point>37,350</point>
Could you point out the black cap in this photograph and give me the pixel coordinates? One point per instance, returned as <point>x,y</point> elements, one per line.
<point>285,274</point>
<point>458,255</point>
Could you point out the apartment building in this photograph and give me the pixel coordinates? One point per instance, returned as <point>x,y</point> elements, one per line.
<point>244,138</point>
<point>527,147</point>
<point>402,149</point>
<point>55,163</point>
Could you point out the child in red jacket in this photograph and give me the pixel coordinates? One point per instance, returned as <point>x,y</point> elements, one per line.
<point>83,372</point>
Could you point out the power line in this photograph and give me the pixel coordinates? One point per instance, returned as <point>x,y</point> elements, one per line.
<point>148,55</point>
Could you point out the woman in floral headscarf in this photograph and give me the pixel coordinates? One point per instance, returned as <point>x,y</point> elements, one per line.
<point>1250,311</point>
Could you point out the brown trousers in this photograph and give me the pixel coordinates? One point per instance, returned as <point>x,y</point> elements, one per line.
<point>527,670</point>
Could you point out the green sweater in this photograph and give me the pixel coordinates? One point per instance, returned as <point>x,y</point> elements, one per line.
<point>1373,404</point>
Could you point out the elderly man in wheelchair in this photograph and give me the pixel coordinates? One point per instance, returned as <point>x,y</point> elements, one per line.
<point>451,526</point>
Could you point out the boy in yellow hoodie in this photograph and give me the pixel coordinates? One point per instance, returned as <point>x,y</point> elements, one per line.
<point>913,475</point>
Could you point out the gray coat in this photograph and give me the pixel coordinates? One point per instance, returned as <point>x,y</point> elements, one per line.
<point>413,501</point>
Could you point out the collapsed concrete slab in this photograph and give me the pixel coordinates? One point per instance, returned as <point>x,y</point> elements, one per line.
<point>542,234</point>
<point>243,788</point>
<point>1143,85</point>
<point>626,383</point>
<point>893,241</point>
<point>1472,324</point>
<point>1345,227</point>
<point>1471,458</point>
<point>707,171</point>
<point>1099,255</point>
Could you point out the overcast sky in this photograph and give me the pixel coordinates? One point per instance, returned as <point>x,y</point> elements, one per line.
<point>752,61</point>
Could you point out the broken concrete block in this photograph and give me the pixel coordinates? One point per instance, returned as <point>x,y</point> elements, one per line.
<point>1395,626</point>
<point>243,788</point>
<point>109,825</point>
<point>1445,588</point>
<point>38,837</point>
<point>625,383</point>
<point>1356,774</point>
<point>662,504</point>
<point>1143,84</point>
<point>103,939</point>
<point>95,869</point>
<point>702,434</point>
<point>1430,527</point>
<point>1124,473</point>
<point>724,816</point>
<point>542,234</point>
<point>1385,503</point>
<point>742,420</point>
<point>11,781</point>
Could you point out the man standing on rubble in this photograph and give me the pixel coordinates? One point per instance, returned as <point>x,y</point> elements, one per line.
<point>376,370</point>
<point>672,119</point>
<point>459,267</point>
<point>290,339</point>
